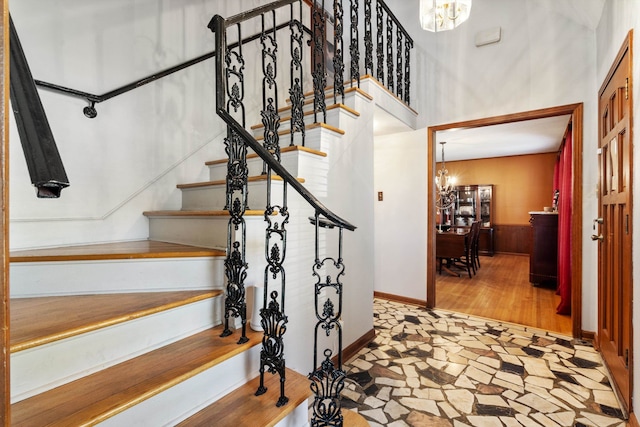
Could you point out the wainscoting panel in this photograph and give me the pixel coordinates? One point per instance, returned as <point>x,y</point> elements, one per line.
<point>514,239</point>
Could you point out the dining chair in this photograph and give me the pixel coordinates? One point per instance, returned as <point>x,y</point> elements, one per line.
<point>465,260</point>
<point>475,245</point>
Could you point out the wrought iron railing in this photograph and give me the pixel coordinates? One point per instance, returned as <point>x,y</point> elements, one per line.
<point>230,105</point>
<point>399,83</point>
<point>327,54</point>
<point>388,31</point>
<point>92,99</point>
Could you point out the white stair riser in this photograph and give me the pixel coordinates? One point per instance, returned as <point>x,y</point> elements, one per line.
<point>213,197</point>
<point>210,232</point>
<point>349,99</point>
<point>47,366</point>
<point>298,163</point>
<point>188,397</point>
<point>115,276</point>
<point>289,160</point>
<point>298,418</point>
<point>318,138</point>
<point>335,117</point>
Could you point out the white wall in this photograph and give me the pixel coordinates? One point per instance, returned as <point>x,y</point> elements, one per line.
<point>400,218</point>
<point>142,143</point>
<point>618,17</point>
<point>544,59</point>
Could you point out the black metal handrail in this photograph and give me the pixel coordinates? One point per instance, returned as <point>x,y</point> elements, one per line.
<point>267,157</point>
<point>44,163</point>
<point>93,99</point>
<point>401,82</point>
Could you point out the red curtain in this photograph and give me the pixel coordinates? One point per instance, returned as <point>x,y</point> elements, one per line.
<point>562,180</point>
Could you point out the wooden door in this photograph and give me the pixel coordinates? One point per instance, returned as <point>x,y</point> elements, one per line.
<point>614,223</point>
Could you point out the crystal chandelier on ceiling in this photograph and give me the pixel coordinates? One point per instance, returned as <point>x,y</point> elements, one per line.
<point>442,15</point>
<point>444,186</point>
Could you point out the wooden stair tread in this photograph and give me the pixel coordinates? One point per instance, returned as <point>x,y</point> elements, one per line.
<point>241,408</point>
<point>224,181</point>
<point>97,397</point>
<point>308,96</point>
<point>308,113</point>
<point>353,419</point>
<point>41,320</point>
<point>140,249</point>
<point>308,128</point>
<point>287,149</point>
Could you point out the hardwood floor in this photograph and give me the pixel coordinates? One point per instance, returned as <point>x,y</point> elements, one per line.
<point>501,290</point>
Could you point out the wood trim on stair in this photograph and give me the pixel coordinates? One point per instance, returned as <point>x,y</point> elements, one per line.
<point>283,150</point>
<point>329,91</point>
<point>308,113</point>
<point>90,313</point>
<point>5,389</point>
<point>242,407</point>
<point>354,419</point>
<point>308,128</point>
<point>138,249</point>
<point>382,86</point>
<point>224,182</point>
<point>97,397</point>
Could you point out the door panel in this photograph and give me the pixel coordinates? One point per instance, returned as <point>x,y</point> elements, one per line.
<point>614,252</point>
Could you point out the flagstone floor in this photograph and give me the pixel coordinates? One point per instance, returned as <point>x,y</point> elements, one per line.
<point>431,368</point>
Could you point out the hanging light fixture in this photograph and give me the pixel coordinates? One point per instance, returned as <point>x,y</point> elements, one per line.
<point>444,185</point>
<point>442,15</point>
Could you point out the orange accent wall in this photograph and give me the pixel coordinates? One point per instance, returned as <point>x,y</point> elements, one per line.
<point>520,183</point>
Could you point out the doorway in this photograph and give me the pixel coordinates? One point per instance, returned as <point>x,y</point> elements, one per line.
<point>576,112</point>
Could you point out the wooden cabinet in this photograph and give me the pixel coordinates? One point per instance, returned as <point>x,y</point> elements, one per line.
<point>473,203</point>
<point>543,259</point>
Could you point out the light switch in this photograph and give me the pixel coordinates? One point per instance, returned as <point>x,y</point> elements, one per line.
<point>379,196</point>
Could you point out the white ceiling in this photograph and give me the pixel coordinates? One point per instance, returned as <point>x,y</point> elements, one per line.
<point>510,139</point>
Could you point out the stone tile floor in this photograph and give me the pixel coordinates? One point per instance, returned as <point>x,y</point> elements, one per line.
<point>436,368</point>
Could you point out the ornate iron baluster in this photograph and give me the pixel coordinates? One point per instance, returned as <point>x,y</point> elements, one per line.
<point>319,63</point>
<point>407,69</point>
<point>338,51</point>
<point>354,49</point>
<point>389,43</point>
<point>368,39</point>
<point>327,379</point>
<point>236,201</point>
<point>273,320</point>
<point>399,69</point>
<point>296,94</point>
<point>380,39</point>
<point>269,113</point>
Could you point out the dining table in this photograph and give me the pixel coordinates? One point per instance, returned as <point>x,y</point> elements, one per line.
<point>451,244</point>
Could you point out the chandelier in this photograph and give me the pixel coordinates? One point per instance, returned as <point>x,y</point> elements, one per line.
<point>444,186</point>
<point>442,15</point>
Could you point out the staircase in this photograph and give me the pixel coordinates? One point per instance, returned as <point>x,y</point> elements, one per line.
<point>129,333</point>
